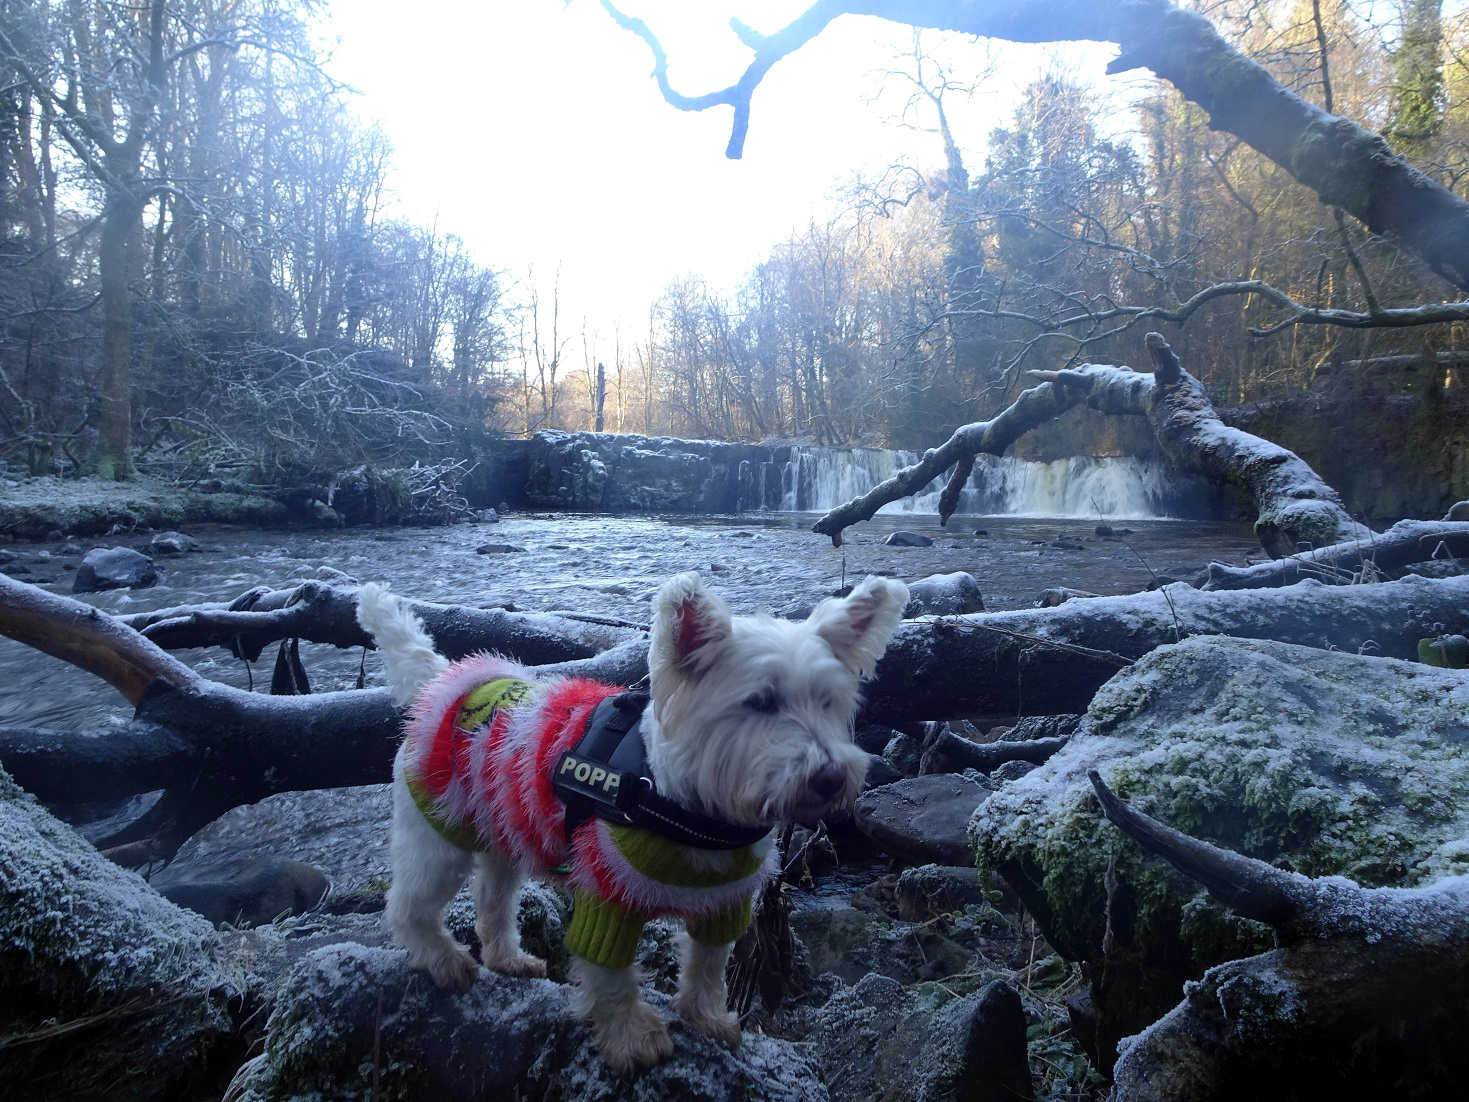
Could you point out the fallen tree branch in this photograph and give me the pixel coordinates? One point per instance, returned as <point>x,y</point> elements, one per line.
<point>212,747</point>
<point>321,613</point>
<point>1368,993</point>
<point>1407,542</point>
<point>960,753</point>
<point>1291,502</point>
<point>88,638</point>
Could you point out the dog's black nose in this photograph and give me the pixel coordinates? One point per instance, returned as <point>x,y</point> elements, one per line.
<point>827,781</point>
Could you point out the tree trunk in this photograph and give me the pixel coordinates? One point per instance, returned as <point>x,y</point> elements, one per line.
<point>120,223</point>
<point>1291,503</point>
<point>212,747</point>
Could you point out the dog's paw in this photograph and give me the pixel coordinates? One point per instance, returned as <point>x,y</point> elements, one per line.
<point>454,971</point>
<point>518,964</point>
<point>636,1038</point>
<point>722,1025</point>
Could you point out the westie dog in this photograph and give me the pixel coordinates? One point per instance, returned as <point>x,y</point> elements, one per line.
<point>642,807</point>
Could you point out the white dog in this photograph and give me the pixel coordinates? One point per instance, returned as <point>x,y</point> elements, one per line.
<point>644,808</point>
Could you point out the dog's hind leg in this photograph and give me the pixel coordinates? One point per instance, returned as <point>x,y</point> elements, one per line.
<point>427,871</point>
<point>496,892</point>
<point>630,1033</point>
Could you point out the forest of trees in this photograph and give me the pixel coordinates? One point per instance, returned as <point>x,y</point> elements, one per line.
<point>193,231</point>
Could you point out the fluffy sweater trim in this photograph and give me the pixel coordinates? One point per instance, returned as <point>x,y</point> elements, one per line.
<point>481,741</point>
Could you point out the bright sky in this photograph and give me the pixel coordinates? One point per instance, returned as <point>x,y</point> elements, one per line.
<point>534,131</point>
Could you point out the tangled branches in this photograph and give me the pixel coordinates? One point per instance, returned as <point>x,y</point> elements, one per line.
<point>277,415</point>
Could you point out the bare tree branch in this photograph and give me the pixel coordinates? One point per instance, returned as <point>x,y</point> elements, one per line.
<point>1346,165</point>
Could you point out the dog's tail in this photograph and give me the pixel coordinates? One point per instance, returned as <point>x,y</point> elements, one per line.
<point>408,653</point>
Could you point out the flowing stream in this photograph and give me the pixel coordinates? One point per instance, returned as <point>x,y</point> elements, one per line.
<point>607,565</point>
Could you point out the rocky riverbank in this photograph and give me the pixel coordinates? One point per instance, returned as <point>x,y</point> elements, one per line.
<point>55,508</point>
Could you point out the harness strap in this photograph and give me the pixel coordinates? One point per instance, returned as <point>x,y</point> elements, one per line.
<point>606,775</point>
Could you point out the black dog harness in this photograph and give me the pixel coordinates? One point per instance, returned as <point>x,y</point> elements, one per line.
<point>606,775</point>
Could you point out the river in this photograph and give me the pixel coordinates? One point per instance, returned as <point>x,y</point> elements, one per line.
<point>600,564</point>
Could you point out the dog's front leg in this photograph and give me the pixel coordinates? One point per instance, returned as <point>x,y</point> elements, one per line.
<point>702,1001</point>
<point>630,1033</point>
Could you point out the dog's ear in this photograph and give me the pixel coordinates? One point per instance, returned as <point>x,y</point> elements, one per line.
<point>857,628</point>
<point>688,624</point>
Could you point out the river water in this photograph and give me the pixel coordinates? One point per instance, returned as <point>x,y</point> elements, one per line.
<point>607,565</point>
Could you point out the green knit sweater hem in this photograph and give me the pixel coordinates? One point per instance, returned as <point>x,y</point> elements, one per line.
<point>606,935</point>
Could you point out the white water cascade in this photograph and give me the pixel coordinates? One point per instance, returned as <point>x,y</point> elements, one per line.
<point>818,479</point>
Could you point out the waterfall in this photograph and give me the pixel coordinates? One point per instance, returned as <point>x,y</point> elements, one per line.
<point>818,479</point>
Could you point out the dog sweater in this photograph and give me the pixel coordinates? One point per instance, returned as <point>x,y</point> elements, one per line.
<point>480,744</point>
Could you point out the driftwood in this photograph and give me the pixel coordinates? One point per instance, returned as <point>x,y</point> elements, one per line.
<point>211,747</point>
<point>322,613</point>
<point>1367,993</point>
<point>1292,504</point>
<point>1405,543</point>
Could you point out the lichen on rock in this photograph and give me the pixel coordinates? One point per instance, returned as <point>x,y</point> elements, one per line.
<point>109,989</point>
<point>1317,761</point>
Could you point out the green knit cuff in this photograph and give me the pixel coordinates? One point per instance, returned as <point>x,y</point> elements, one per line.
<point>721,927</point>
<point>602,933</point>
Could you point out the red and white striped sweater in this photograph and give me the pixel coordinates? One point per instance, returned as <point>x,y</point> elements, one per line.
<point>481,741</point>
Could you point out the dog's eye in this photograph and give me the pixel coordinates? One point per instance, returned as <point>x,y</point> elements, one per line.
<point>764,702</point>
<point>827,700</point>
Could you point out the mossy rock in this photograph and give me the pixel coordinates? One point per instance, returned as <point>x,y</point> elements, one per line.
<point>1317,761</point>
<point>354,1022</point>
<point>110,991</point>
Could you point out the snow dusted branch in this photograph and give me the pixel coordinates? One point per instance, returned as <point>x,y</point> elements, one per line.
<point>1292,504</point>
<point>322,613</point>
<point>1358,560</point>
<point>1368,990</point>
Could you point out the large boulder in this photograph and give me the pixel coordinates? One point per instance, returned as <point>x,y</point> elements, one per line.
<point>113,568</point>
<point>110,991</point>
<point>878,1040</point>
<point>944,595</point>
<point>1318,761</point>
<point>595,471</point>
<point>356,1022</point>
<point>922,819</point>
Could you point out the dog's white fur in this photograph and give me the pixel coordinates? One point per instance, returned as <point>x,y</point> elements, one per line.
<point>750,721</point>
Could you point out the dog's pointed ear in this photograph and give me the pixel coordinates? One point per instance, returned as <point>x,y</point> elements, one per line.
<point>689,623</point>
<point>858,627</point>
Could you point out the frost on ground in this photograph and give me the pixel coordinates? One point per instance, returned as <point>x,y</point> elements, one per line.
<point>93,961</point>
<point>1325,763</point>
<point>36,507</point>
<point>353,1022</point>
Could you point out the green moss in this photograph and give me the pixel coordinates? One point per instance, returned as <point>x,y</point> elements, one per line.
<point>1327,764</point>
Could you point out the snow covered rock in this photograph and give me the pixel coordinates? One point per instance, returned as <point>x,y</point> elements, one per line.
<point>354,1022</point>
<point>1318,761</point>
<point>944,595</point>
<point>114,568</point>
<point>907,539</point>
<point>172,543</point>
<point>110,991</point>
